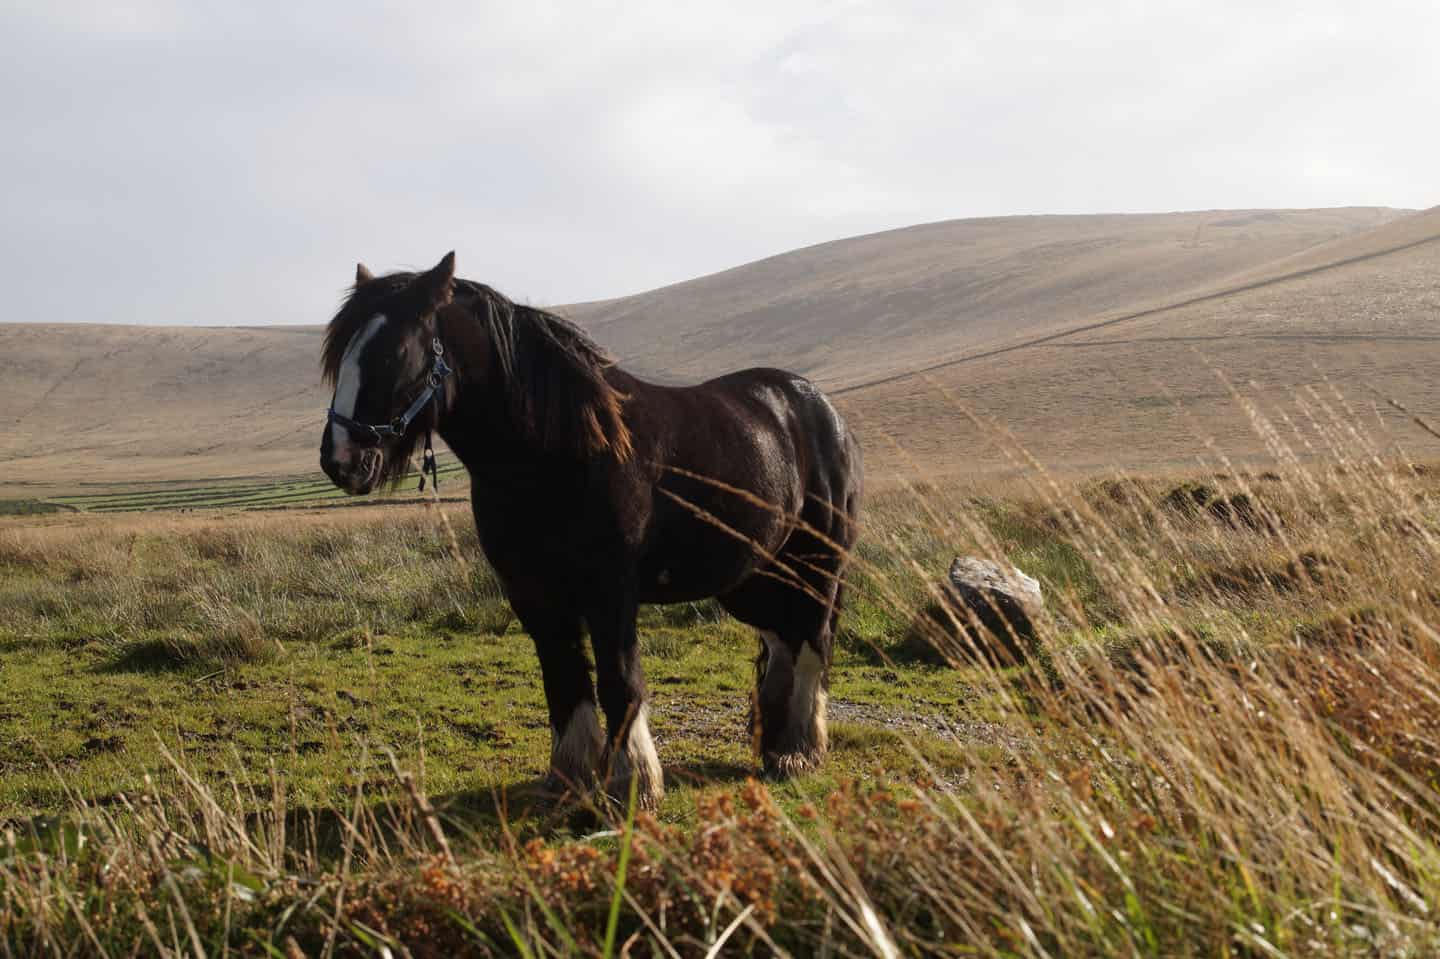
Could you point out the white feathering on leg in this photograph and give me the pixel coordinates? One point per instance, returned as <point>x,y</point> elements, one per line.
<point>575,753</point>
<point>805,738</point>
<point>639,758</point>
<point>808,700</point>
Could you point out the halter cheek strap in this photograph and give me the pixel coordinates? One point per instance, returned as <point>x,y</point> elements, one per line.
<point>376,433</point>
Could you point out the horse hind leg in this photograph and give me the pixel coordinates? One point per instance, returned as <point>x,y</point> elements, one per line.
<point>792,675</point>
<point>787,715</point>
<point>796,626</point>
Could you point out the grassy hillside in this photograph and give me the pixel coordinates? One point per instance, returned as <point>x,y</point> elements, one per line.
<point>87,404</point>
<point>134,405</point>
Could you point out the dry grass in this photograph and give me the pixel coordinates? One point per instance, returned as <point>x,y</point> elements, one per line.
<point>1225,740</point>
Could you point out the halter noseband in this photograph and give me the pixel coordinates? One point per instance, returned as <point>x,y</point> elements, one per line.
<point>376,433</point>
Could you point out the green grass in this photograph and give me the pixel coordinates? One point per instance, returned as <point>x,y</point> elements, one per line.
<point>239,494</point>
<point>28,507</point>
<point>1218,734</point>
<point>244,648</point>
<point>91,689</point>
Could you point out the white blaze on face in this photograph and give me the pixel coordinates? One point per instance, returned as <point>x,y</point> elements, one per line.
<point>347,382</point>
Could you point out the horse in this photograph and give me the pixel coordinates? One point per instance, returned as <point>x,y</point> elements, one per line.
<point>594,491</point>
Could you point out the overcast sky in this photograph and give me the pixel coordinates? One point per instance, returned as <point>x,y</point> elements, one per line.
<point>193,162</point>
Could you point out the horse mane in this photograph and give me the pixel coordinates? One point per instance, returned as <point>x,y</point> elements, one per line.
<point>551,371</point>
<point>553,374</point>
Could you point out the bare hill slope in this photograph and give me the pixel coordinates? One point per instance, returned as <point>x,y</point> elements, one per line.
<point>84,404</point>
<point>856,307</point>
<point>1317,343</point>
<point>90,403</point>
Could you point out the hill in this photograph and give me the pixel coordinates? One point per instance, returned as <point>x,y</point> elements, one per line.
<point>1320,341</point>
<point>1087,335</point>
<point>869,305</point>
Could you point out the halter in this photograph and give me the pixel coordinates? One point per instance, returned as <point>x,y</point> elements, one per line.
<point>376,433</point>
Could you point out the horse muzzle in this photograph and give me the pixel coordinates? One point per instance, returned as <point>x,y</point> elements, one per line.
<point>356,470</point>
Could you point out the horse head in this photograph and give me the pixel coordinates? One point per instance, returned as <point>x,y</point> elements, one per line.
<point>387,362</point>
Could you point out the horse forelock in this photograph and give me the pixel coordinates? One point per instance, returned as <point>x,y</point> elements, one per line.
<point>354,314</point>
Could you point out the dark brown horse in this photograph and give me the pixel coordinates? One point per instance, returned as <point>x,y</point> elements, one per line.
<point>595,491</point>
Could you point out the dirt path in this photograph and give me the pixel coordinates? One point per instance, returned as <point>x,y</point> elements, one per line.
<point>678,717</point>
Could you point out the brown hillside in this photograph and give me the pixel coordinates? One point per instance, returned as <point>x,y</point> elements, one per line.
<point>85,404</point>
<point>853,308</point>
<point>1316,343</point>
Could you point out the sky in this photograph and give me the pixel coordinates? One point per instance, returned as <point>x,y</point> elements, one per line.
<point>207,163</point>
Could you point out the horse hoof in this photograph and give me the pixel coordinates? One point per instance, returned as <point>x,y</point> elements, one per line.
<point>790,765</point>
<point>648,794</point>
<point>558,791</point>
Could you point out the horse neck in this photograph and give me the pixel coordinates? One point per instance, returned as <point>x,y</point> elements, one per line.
<point>481,424</point>
<point>477,424</point>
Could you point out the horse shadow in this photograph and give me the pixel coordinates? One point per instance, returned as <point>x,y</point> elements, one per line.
<point>536,806</point>
<point>508,814</point>
<point>701,773</point>
<point>145,656</point>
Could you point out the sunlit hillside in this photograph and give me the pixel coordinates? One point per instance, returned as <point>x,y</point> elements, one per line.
<point>1065,329</point>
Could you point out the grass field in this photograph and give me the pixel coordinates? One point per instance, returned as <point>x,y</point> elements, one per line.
<point>239,494</point>
<point>321,731</point>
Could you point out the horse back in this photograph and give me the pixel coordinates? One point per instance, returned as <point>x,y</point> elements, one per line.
<point>767,431</point>
<point>737,462</point>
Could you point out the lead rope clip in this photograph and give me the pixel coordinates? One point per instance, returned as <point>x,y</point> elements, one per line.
<point>427,462</point>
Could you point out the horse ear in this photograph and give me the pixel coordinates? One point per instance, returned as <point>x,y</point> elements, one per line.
<point>438,281</point>
<point>362,274</point>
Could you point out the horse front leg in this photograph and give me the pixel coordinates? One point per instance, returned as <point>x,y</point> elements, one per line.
<point>630,749</point>
<point>576,742</point>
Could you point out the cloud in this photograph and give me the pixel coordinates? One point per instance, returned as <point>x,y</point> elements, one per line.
<point>223,163</point>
